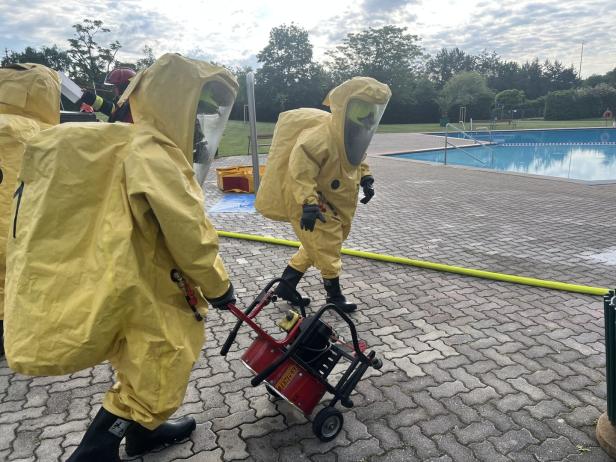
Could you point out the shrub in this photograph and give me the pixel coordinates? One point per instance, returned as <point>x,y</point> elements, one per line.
<point>510,99</point>
<point>467,89</point>
<point>582,103</point>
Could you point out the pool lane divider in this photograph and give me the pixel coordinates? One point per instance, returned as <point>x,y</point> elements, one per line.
<point>564,286</point>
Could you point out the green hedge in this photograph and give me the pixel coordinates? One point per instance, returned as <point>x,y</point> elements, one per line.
<point>479,109</point>
<point>533,107</point>
<point>582,103</point>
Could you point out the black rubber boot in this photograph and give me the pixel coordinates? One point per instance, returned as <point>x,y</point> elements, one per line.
<point>140,440</point>
<point>292,276</point>
<point>101,442</point>
<point>334,295</point>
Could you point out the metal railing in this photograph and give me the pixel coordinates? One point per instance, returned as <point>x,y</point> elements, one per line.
<point>487,129</point>
<point>466,135</point>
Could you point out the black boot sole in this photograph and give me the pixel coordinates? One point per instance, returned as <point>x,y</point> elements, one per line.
<point>138,449</point>
<point>346,308</point>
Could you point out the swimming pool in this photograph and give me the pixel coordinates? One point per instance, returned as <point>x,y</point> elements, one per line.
<point>568,135</point>
<point>580,154</point>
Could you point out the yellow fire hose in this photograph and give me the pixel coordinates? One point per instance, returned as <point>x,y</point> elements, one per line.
<point>436,266</point>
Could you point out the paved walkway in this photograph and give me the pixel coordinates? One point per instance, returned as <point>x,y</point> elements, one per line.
<point>474,370</point>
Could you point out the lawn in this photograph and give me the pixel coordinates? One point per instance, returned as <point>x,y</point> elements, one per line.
<point>519,125</point>
<point>235,139</point>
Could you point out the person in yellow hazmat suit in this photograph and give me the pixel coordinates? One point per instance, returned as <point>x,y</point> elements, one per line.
<point>111,255</point>
<point>29,102</point>
<point>319,184</point>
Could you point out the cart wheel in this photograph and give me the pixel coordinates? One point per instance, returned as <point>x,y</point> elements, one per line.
<point>271,391</point>
<point>377,363</point>
<point>327,424</point>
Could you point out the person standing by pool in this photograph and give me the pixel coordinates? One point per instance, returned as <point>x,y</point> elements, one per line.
<point>316,190</point>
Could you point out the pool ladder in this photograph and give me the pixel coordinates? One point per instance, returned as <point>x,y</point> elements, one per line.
<point>466,135</point>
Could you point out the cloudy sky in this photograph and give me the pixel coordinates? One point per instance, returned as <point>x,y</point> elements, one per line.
<point>232,31</point>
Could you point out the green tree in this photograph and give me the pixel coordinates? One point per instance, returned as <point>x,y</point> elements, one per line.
<point>488,64</point>
<point>388,54</point>
<point>241,99</point>
<point>142,63</point>
<point>559,77</point>
<point>52,57</point>
<point>508,75</point>
<point>532,79</point>
<point>607,93</point>
<point>510,99</point>
<point>467,89</point>
<point>423,105</point>
<point>448,63</point>
<point>90,62</point>
<point>594,80</point>
<point>289,78</point>
<point>533,107</point>
<point>147,60</point>
<point>385,53</point>
<point>608,78</point>
<point>561,105</point>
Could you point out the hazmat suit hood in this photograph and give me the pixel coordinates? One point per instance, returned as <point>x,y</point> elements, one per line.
<point>348,103</point>
<point>166,96</point>
<point>29,102</point>
<point>102,216</point>
<point>32,91</point>
<point>317,158</point>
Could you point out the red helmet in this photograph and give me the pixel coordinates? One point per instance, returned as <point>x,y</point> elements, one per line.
<point>119,77</point>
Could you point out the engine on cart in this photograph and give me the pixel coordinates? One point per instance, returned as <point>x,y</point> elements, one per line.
<point>315,348</point>
<point>296,368</point>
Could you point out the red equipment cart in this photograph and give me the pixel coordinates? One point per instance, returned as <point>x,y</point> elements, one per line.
<point>296,368</point>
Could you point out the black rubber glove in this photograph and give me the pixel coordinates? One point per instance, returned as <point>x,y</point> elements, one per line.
<point>367,184</point>
<point>310,213</point>
<point>88,97</point>
<point>222,302</point>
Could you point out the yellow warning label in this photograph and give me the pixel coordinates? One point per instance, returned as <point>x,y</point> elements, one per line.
<point>285,380</point>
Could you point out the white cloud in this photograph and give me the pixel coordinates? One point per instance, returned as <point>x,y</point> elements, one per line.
<point>233,32</point>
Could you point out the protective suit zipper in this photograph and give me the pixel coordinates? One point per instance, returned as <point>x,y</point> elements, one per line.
<point>18,194</point>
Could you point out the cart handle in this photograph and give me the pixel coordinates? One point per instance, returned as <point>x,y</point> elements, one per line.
<point>253,309</point>
<point>360,354</point>
<point>257,379</point>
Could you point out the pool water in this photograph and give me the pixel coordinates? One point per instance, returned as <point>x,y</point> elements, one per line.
<point>583,136</point>
<point>588,154</point>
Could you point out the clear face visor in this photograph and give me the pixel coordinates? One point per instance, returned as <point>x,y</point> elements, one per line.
<point>360,123</point>
<point>213,112</point>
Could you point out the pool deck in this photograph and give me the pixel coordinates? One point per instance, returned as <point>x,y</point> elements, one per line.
<point>390,143</point>
<point>475,370</point>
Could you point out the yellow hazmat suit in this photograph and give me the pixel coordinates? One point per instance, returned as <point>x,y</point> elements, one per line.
<point>105,213</point>
<point>323,168</point>
<point>29,102</point>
